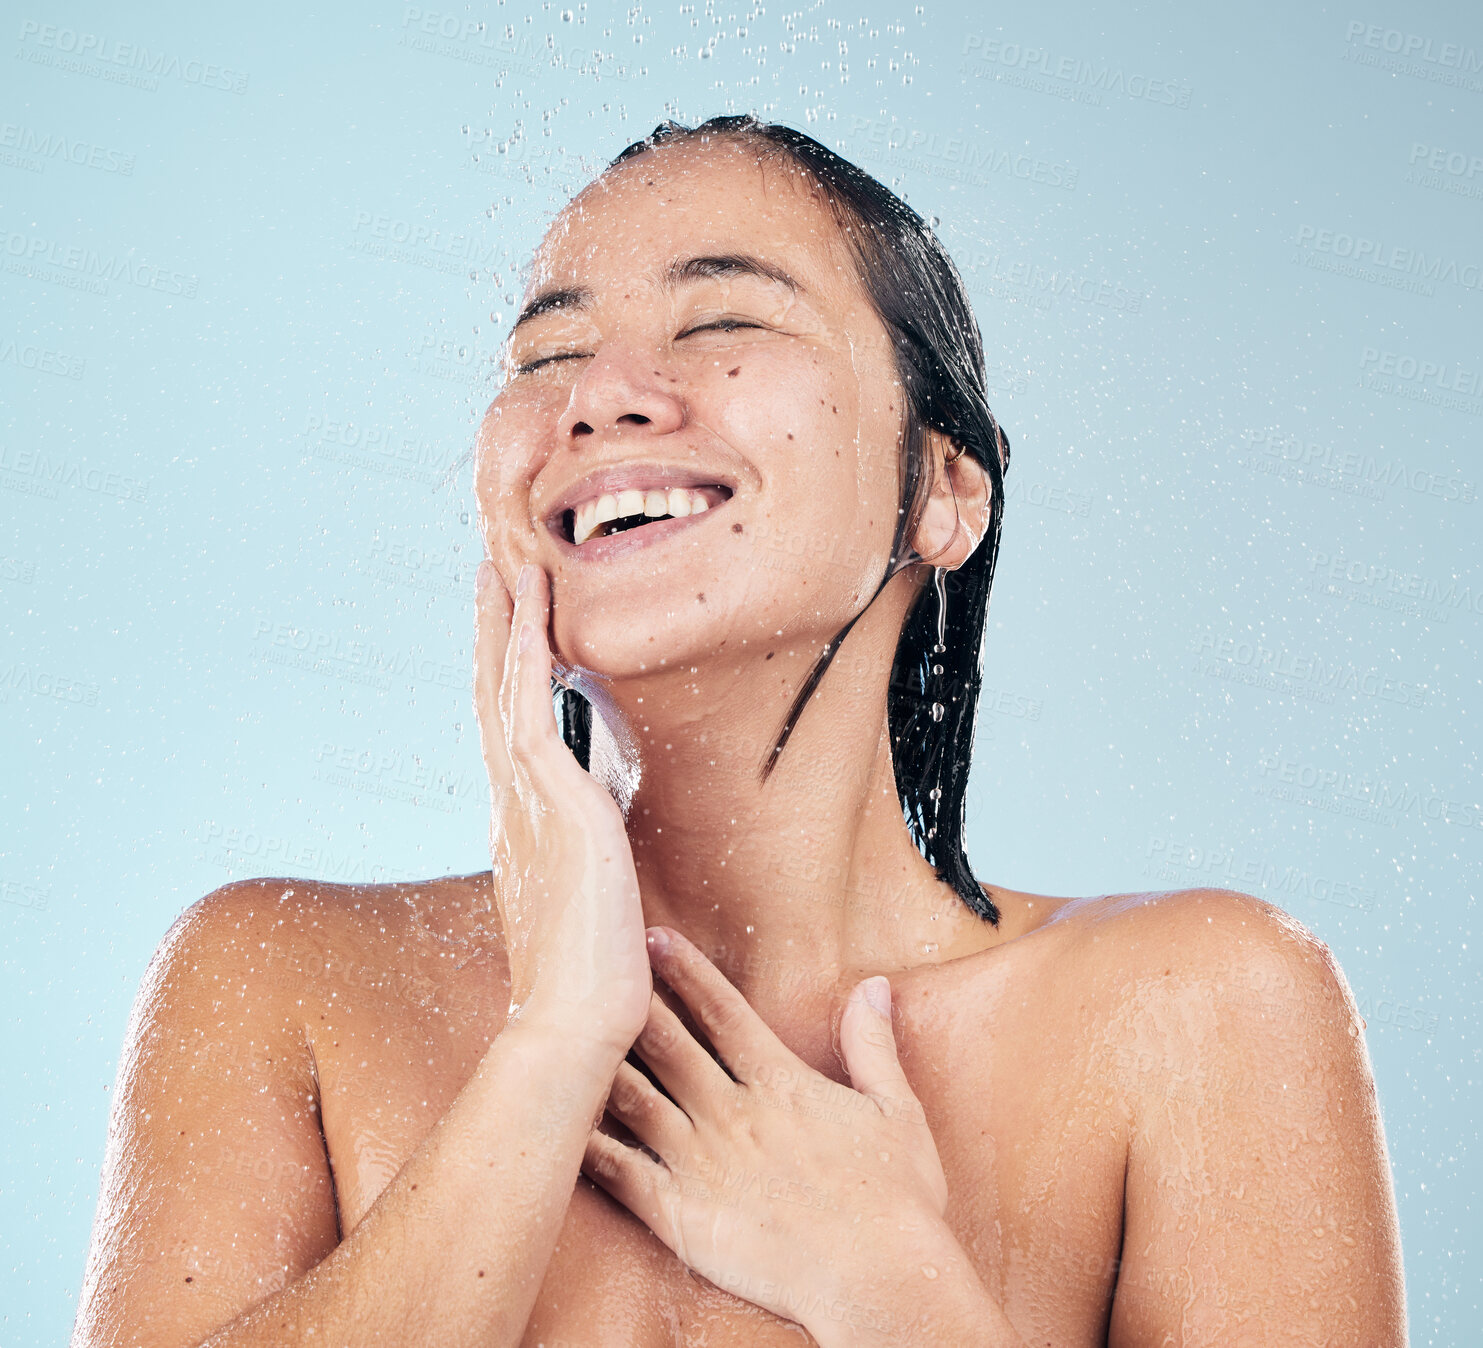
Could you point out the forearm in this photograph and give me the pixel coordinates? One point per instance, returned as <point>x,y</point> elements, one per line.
<point>455,1249</point>
<point>925,1293</point>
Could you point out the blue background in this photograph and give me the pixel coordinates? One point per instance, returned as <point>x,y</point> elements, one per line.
<point>1226,262</point>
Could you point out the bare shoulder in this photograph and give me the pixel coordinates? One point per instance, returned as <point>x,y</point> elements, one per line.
<point>1192,976</point>
<point>1211,937</point>
<point>282,948</point>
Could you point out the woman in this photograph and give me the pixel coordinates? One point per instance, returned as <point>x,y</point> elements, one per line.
<point>742,438</point>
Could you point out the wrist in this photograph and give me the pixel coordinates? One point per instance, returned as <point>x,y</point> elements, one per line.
<point>923,1291</point>
<point>570,1030</point>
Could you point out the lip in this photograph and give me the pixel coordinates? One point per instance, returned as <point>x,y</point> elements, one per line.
<point>615,546</point>
<point>624,476</point>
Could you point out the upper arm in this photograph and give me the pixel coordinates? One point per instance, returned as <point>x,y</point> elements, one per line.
<point>1259,1207</point>
<point>216,1188</point>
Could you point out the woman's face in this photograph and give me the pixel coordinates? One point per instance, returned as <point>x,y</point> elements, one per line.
<point>697,323</point>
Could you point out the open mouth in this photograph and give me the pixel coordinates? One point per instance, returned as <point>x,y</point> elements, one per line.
<point>628,511</point>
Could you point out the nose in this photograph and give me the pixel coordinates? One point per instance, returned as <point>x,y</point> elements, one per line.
<point>623,387</point>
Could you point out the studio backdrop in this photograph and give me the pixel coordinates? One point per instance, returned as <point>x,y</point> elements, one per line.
<point>258,261</point>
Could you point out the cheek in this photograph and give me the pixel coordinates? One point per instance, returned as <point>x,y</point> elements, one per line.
<point>798,415</point>
<point>504,465</point>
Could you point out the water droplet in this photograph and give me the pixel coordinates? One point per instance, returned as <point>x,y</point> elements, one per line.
<point>929,947</point>
<point>937,669</point>
<point>935,793</point>
<point>937,711</point>
<point>928,1271</point>
<point>939,584</point>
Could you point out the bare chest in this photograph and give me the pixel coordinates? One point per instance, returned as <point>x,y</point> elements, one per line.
<point>1026,1123</point>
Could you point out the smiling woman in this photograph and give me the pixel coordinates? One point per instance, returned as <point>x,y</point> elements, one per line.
<point>729,1001</point>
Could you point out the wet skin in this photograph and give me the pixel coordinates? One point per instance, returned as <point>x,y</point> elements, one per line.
<point>1154,1113</point>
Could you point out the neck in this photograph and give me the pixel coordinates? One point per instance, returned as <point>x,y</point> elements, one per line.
<point>799,886</point>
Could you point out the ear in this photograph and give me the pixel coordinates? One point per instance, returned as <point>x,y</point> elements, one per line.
<point>956,517</point>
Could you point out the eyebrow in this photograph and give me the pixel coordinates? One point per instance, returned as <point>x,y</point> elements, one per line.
<point>679,272</point>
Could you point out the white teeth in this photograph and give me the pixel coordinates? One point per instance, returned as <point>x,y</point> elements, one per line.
<point>592,515</point>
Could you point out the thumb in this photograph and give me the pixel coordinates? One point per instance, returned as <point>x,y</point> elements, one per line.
<point>869,1043</point>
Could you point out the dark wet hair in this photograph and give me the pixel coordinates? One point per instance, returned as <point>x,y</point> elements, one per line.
<point>932,703</point>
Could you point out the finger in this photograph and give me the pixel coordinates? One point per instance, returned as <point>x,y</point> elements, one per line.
<point>658,1123</point>
<point>492,609</point>
<point>744,1041</point>
<point>528,712</point>
<point>642,1185</point>
<point>680,1063</point>
<point>868,1041</point>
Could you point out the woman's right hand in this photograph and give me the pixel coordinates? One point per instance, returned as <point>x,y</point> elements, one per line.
<point>562,866</point>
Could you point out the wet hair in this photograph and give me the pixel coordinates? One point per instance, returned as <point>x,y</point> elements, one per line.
<point>932,701</point>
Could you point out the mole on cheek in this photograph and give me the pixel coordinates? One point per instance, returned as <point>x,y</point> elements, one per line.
<point>736,528</point>
<point>701,596</point>
<point>790,435</point>
<point>732,374</point>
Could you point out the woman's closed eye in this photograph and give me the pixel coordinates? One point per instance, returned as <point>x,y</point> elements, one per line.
<point>723,325</point>
<point>720,325</point>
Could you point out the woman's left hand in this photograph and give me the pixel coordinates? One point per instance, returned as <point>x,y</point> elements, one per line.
<point>781,1186</point>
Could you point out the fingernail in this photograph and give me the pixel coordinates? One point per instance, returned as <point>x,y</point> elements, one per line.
<point>483,576</point>
<point>878,993</point>
<point>527,635</point>
<point>524,579</point>
<point>659,941</point>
